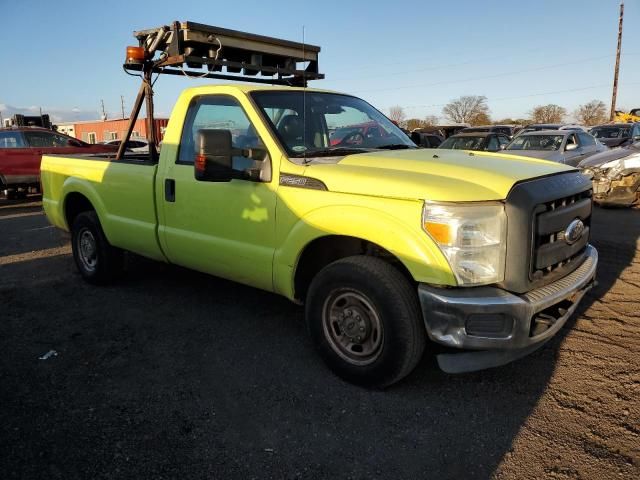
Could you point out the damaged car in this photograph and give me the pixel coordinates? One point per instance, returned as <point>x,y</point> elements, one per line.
<point>615,175</point>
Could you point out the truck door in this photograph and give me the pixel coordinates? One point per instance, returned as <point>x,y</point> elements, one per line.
<point>223,228</point>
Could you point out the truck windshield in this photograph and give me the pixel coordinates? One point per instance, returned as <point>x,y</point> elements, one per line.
<point>312,123</point>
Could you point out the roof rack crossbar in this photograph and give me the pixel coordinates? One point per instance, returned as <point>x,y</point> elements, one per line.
<point>289,82</point>
<point>252,57</point>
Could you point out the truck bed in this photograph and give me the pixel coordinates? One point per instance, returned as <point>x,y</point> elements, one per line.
<point>121,192</point>
<point>128,157</point>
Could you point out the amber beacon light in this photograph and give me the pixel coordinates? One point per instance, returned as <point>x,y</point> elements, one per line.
<point>135,55</point>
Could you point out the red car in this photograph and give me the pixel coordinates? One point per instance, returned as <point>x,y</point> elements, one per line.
<point>20,152</point>
<point>356,134</point>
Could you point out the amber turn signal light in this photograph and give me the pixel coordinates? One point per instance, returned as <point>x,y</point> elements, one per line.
<point>135,54</point>
<point>440,232</point>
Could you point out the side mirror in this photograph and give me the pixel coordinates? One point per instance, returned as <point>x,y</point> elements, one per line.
<point>74,143</point>
<point>214,151</point>
<point>571,146</point>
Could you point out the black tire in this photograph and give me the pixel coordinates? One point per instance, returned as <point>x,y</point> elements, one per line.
<point>97,260</point>
<point>11,194</point>
<point>379,292</point>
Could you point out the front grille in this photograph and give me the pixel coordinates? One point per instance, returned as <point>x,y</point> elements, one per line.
<point>551,252</point>
<point>538,212</point>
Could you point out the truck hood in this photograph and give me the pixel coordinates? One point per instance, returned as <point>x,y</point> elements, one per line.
<point>431,174</point>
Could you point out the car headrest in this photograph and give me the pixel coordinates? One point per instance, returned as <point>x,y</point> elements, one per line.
<point>291,127</point>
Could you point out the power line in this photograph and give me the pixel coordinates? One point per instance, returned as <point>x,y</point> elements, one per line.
<point>487,77</point>
<point>466,51</point>
<point>499,99</point>
<point>445,66</point>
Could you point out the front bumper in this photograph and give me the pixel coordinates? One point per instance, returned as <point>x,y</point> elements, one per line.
<point>499,325</point>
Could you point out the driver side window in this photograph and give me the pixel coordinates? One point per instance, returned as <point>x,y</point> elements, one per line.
<point>220,113</point>
<point>493,145</point>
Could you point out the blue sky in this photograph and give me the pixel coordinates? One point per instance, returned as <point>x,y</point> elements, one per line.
<point>66,56</point>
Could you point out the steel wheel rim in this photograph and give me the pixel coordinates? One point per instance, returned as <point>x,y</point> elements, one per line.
<point>352,327</point>
<point>87,249</point>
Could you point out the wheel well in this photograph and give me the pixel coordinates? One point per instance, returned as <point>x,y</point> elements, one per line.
<point>74,204</point>
<point>325,250</point>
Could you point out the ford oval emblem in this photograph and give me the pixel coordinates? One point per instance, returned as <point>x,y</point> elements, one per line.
<point>573,232</point>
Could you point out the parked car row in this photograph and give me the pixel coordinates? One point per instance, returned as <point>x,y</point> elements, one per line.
<point>615,173</point>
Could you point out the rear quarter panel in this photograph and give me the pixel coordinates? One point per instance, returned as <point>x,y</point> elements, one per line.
<point>121,193</point>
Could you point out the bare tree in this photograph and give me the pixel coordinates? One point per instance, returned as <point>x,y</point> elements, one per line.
<point>513,121</point>
<point>467,109</point>
<point>592,113</point>
<point>548,113</point>
<point>396,114</point>
<point>414,123</point>
<point>431,120</point>
<point>480,119</point>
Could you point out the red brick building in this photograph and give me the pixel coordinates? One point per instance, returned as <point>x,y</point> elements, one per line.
<point>99,130</point>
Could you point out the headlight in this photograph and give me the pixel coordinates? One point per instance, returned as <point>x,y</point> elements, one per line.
<point>587,172</point>
<point>472,237</point>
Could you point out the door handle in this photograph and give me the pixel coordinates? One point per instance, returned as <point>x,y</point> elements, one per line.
<point>169,189</point>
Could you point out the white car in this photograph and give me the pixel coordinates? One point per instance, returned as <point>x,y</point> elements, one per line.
<point>135,144</point>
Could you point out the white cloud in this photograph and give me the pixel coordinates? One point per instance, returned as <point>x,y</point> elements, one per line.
<point>57,114</point>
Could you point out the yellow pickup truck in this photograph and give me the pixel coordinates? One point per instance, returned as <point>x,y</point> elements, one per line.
<point>318,197</point>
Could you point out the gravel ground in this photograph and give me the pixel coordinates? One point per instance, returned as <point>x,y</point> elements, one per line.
<point>174,374</point>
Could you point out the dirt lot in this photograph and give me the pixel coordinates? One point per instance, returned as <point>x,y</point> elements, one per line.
<point>173,374</point>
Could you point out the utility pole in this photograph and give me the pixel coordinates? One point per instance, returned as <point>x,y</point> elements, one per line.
<point>615,74</point>
<point>104,114</point>
<point>122,105</point>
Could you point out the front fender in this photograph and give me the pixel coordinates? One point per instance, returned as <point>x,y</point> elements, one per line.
<point>414,248</point>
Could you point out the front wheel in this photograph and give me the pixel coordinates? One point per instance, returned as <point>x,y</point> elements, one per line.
<point>97,260</point>
<point>365,320</point>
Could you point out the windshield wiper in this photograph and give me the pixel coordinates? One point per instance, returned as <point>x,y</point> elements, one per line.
<point>394,146</point>
<point>333,152</point>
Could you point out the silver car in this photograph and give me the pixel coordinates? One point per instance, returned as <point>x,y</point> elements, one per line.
<point>563,146</point>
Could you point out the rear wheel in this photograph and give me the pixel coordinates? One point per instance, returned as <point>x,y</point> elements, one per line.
<point>365,320</point>
<point>96,259</point>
